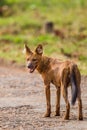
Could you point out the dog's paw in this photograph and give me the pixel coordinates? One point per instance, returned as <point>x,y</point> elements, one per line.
<point>80,118</point>
<point>57,114</point>
<point>46,115</point>
<point>66,117</point>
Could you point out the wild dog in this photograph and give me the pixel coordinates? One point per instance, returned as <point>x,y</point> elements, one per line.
<point>60,73</point>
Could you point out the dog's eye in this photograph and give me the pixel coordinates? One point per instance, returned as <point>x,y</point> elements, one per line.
<point>27,59</point>
<point>34,59</point>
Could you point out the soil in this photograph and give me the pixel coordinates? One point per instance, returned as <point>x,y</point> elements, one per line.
<point>22,103</point>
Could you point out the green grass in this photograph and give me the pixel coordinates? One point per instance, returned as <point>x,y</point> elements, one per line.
<point>27,18</point>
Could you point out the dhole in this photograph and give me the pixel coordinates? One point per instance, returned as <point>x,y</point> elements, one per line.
<point>60,73</point>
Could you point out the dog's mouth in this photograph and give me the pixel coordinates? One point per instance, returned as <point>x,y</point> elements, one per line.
<point>31,70</point>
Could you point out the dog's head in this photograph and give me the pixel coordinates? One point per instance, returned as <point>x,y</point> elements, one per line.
<point>33,58</point>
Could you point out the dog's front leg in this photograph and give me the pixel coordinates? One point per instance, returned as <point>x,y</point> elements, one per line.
<point>47,93</point>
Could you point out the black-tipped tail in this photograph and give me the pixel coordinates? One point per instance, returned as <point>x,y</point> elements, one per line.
<point>74,89</point>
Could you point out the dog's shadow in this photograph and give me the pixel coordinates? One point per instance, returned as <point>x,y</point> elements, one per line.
<point>72,117</point>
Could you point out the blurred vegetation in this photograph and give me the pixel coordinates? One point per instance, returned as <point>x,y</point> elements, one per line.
<point>22,21</point>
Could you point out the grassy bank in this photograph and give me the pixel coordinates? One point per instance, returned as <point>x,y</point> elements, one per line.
<point>23,22</point>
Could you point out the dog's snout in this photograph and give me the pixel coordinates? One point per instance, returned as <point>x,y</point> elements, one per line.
<point>29,66</point>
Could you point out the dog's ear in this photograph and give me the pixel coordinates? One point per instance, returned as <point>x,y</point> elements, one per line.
<point>27,50</point>
<point>39,49</point>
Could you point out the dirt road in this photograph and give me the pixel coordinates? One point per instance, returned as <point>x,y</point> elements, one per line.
<point>22,103</point>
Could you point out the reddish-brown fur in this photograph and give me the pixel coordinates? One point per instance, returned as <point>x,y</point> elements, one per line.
<point>61,74</point>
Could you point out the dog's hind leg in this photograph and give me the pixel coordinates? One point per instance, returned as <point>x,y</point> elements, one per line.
<point>78,81</point>
<point>57,112</point>
<point>80,114</point>
<point>65,95</point>
<point>64,85</point>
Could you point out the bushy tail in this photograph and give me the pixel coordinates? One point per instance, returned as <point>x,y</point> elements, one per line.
<point>74,88</point>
